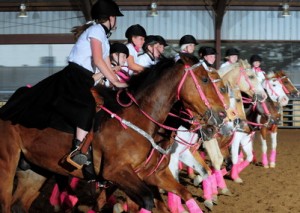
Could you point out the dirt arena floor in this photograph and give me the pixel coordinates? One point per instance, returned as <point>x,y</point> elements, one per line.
<point>264,190</point>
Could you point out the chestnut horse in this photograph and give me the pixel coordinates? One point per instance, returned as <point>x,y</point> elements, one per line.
<point>128,157</point>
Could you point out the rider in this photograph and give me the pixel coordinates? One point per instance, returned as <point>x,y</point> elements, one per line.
<point>118,56</point>
<point>187,44</point>
<point>255,61</point>
<point>208,57</point>
<point>151,53</point>
<point>65,95</point>
<point>161,45</point>
<point>231,56</point>
<point>135,35</point>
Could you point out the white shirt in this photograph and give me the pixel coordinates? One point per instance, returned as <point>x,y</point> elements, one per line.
<point>225,64</point>
<point>81,52</point>
<point>145,60</point>
<point>260,75</point>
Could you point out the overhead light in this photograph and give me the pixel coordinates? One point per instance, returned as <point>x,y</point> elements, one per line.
<point>285,11</point>
<point>153,9</point>
<point>23,12</point>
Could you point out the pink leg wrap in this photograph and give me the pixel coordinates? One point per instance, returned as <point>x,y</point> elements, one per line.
<point>54,198</point>
<point>273,156</point>
<point>213,182</point>
<point>220,179</point>
<point>234,171</point>
<point>68,200</point>
<point>193,206</point>
<point>265,159</point>
<point>74,183</point>
<point>142,210</point>
<point>224,171</point>
<point>243,165</point>
<point>207,192</point>
<point>91,211</point>
<point>174,203</point>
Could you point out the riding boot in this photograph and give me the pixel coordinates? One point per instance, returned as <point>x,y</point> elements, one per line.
<point>273,159</point>
<point>76,155</point>
<point>265,162</point>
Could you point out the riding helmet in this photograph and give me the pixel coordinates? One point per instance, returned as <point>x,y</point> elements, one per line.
<point>161,40</point>
<point>135,30</point>
<point>104,9</point>
<point>149,40</point>
<point>255,58</point>
<point>204,51</point>
<point>119,48</point>
<point>187,39</point>
<point>232,51</point>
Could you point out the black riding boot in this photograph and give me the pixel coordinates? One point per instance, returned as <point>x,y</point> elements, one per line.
<point>77,156</point>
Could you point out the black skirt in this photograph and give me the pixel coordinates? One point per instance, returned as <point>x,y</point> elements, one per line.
<point>63,98</point>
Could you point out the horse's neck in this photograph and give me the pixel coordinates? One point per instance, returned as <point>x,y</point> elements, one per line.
<point>158,99</point>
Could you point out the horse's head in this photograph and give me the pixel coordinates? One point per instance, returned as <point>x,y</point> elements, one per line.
<point>287,84</point>
<point>243,76</point>
<point>275,89</point>
<point>269,110</point>
<point>199,93</point>
<point>236,110</point>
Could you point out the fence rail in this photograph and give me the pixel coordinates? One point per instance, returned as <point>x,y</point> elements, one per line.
<point>291,114</point>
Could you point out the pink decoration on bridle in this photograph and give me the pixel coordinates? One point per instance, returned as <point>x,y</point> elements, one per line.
<point>268,84</point>
<point>189,70</point>
<point>243,73</point>
<point>218,92</point>
<point>283,87</point>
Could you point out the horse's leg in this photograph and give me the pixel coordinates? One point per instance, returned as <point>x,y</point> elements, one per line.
<point>247,147</point>
<point>28,186</point>
<point>9,155</point>
<point>131,184</point>
<point>164,179</point>
<point>264,147</point>
<point>235,145</point>
<point>188,159</point>
<point>274,146</point>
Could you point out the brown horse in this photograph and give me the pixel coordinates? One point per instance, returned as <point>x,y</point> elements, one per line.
<point>119,154</point>
<point>281,86</point>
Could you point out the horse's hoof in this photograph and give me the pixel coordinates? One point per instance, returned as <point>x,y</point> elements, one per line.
<point>197,180</point>
<point>192,176</point>
<point>266,166</point>
<point>272,165</point>
<point>162,191</point>
<point>226,192</point>
<point>209,204</point>
<point>57,208</point>
<point>238,180</point>
<point>215,199</point>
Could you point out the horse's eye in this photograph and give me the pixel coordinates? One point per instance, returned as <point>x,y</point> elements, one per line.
<point>223,89</point>
<point>251,76</point>
<point>238,100</point>
<point>205,80</point>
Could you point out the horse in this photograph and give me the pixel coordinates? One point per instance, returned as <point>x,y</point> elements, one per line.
<point>125,158</point>
<point>278,86</point>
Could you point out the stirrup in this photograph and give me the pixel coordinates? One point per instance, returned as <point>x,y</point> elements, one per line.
<point>77,159</point>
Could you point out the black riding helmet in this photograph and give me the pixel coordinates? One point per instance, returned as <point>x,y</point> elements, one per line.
<point>232,51</point>
<point>161,40</point>
<point>150,39</point>
<point>208,51</point>
<point>255,58</point>
<point>119,48</point>
<point>104,9</point>
<point>135,30</point>
<point>187,39</point>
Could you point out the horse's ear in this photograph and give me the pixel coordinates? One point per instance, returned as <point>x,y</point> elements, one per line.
<point>184,57</point>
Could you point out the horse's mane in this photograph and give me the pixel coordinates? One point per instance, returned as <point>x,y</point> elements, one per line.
<point>241,63</point>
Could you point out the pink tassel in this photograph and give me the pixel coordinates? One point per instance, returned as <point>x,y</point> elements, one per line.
<point>68,200</point>
<point>74,183</point>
